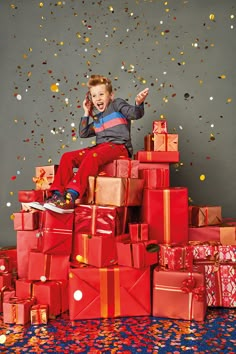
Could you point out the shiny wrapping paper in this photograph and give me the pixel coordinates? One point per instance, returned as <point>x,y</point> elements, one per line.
<point>166,212</point>
<point>179,295</point>
<point>149,142</point>
<point>155,178</point>
<point>99,220</point>
<point>17,310</point>
<point>137,254</point>
<point>115,191</point>
<point>176,257</point>
<point>225,234</point>
<point>44,176</point>
<point>109,292</point>
<point>47,266</point>
<point>56,233</point>
<point>166,142</point>
<point>159,126</point>
<point>54,294</point>
<point>27,196</point>
<point>24,288</point>
<point>121,168</point>
<point>26,220</point>
<point>157,156</point>
<point>26,240</point>
<point>152,165</point>
<point>138,231</point>
<point>39,314</point>
<point>94,250</point>
<point>5,294</point>
<point>205,215</point>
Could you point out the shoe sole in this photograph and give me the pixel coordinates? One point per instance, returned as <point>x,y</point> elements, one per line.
<point>54,208</point>
<point>36,205</point>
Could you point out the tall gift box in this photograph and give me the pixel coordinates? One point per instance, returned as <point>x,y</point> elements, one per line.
<point>108,292</point>
<point>179,294</point>
<point>166,212</point>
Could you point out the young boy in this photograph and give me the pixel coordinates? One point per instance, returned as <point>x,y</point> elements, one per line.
<point>111,126</point>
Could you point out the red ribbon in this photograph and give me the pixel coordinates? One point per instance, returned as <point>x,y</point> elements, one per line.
<point>189,286</point>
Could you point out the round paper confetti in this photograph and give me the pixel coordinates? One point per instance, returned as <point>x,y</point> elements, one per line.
<point>43,278</point>
<point>78,295</point>
<point>54,87</point>
<point>202,178</point>
<point>212,17</point>
<point>3,339</point>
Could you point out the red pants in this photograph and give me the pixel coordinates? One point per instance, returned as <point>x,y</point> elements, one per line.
<point>88,161</point>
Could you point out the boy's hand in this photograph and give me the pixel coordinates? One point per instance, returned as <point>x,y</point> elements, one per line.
<point>141,96</point>
<point>87,106</point>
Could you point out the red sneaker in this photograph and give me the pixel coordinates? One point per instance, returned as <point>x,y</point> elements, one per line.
<point>60,204</point>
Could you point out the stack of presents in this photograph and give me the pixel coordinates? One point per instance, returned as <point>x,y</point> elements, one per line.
<point>133,247</point>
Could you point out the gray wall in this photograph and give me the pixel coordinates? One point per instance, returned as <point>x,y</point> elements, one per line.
<point>137,44</point>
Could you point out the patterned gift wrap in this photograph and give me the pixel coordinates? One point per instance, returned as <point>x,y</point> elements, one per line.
<point>159,126</point>
<point>176,257</point>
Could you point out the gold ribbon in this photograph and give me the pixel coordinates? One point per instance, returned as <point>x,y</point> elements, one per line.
<point>166,210</point>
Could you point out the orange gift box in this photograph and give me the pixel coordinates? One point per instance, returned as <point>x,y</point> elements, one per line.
<point>115,191</point>
<point>39,314</point>
<point>17,310</point>
<point>94,250</point>
<point>166,142</point>
<point>109,292</point>
<point>157,156</point>
<point>179,295</point>
<point>44,176</point>
<point>137,254</point>
<point>205,215</point>
<point>159,126</point>
<point>166,212</point>
<point>25,241</point>
<point>54,294</point>
<point>47,266</point>
<point>27,196</point>
<point>155,178</point>
<point>225,234</point>
<point>149,142</point>
<point>26,220</point>
<point>138,231</point>
<point>121,168</point>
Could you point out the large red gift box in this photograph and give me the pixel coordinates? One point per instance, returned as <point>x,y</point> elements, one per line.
<point>108,292</point>
<point>94,250</point>
<point>137,254</point>
<point>166,212</point>
<point>159,126</point>
<point>17,310</point>
<point>54,294</point>
<point>121,168</point>
<point>26,220</point>
<point>27,196</point>
<point>176,257</point>
<point>26,240</point>
<point>116,191</point>
<point>155,178</point>
<point>166,142</point>
<point>157,156</point>
<point>44,266</point>
<point>100,220</point>
<point>179,294</point>
<point>225,234</point>
<point>44,176</point>
<point>56,233</point>
<point>205,215</point>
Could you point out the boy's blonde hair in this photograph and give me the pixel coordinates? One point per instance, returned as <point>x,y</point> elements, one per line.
<point>100,80</point>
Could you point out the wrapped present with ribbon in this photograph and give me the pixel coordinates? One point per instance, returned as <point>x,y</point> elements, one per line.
<point>166,142</point>
<point>205,215</point>
<point>208,250</point>
<point>166,212</point>
<point>138,231</point>
<point>25,241</point>
<point>225,234</point>
<point>179,294</point>
<point>109,292</point>
<point>94,250</point>
<point>160,126</point>
<point>24,288</point>
<point>26,220</point>
<point>27,196</point>
<point>123,167</point>
<point>137,254</point>
<point>149,142</point>
<point>176,256</point>
<point>155,178</point>
<point>39,314</point>
<point>17,310</point>
<point>44,176</point>
<point>5,294</point>
<point>157,156</point>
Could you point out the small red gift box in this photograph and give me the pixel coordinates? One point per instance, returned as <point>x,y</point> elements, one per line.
<point>54,294</point>
<point>166,142</point>
<point>47,266</point>
<point>5,294</point>
<point>17,310</point>
<point>179,295</point>
<point>108,292</point>
<point>26,220</point>
<point>138,231</point>
<point>137,254</point>
<point>166,212</point>
<point>116,191</point>
<point>26,240</point>
<point>121,168</point>
<point>94,250</point>
<point>149,142</point>
<point>176,257</point>
<point>157,156</point>
<point>24,288</point>
<point>155,178</point>
<point>39,314</point>
<point>159,126</point>
<point>205,215</point>
<point>44,176</point>
<point>225,234</point>
<point>27,196</point>
<point>6,264</point>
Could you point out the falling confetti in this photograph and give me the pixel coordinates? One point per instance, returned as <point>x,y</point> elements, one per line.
<point>202,177</point>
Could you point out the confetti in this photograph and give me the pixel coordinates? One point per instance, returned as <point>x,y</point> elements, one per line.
<point>202,177</point>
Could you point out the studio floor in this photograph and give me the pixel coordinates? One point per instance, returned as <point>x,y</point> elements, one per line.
<point>217,334</point>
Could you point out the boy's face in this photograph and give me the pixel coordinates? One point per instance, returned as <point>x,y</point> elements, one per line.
<point>101,97</point>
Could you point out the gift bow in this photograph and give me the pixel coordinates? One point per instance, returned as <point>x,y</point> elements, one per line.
<point>189,286</point>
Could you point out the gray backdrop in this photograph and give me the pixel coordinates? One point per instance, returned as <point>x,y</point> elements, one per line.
<point>183,50</point>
